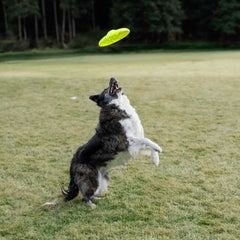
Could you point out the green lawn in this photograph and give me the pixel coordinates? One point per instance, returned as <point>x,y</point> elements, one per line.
<point>189,103</point>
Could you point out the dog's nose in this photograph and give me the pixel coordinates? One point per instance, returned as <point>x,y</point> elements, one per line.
<point>113,80</point>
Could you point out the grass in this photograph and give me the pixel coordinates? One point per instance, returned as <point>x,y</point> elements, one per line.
<point>188,102</point>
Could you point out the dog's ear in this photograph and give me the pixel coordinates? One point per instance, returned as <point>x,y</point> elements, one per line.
<point>94,98</point>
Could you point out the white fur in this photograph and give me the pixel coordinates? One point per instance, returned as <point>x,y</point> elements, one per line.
<point>134,131</point>
<point>54,203</point>
<point>155,157</point>
<point>132,125</point>
<point>103,185</point>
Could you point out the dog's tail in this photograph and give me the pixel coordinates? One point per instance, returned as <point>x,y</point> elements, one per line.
<point>71,192</point>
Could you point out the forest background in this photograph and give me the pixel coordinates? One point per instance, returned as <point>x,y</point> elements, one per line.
<point>28,24</point>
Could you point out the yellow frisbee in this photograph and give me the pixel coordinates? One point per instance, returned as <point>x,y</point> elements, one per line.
<point>113,36</point>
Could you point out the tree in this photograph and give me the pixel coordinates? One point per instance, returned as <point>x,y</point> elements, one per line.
<point>22,10</point>
<point>82,11</point>
<point>196,24</point>
<point>44,20</point>
<point>75,9</point>
<point>93,14</point>
<point>64,6</point>
<point>171,16</point>
<point>226,20</point>
<point>5,17</point>
<point>149,20</point>
<point>56,20</point>
<point>72,10</point>
<point>36,28</point>
<point>70,25</point>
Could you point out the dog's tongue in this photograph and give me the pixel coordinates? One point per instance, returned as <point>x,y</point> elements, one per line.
<point>115,88</point>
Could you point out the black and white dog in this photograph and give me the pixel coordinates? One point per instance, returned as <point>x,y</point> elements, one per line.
<point>119,130</point>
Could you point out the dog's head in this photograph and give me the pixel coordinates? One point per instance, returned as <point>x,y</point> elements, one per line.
<point>108,95</point>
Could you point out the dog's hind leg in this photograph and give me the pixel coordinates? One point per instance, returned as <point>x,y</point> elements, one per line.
<point>88,195</point>
<point>103,181</point>
<point>87,191</point>
<point>86,178</point>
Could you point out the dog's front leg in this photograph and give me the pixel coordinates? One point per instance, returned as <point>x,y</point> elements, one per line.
<point>155,157</point>
<point>143,143</point>
<point>138,144</point>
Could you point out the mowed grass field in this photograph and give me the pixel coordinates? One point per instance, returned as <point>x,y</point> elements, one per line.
<point>189,103</point>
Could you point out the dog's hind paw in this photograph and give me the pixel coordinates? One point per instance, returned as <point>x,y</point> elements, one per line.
<point>91,204</point>
<point>97,197</point>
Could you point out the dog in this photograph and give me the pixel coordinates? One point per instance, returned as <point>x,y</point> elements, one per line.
<point>119,130</point>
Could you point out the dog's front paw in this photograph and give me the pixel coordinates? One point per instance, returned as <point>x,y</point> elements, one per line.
<point>155,158</point>
<point>158,148</point>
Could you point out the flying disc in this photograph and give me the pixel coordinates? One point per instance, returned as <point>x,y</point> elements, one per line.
<point>113,36</point>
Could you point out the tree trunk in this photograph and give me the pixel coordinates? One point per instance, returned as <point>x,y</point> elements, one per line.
<point>74,27</point>
<point>19,29</point>
<point>93,15</point>
<point>56,20</point>
<point>44,19</point>
<point>24,30</point>
<point>5,18</point>
<point>36,28</point>
<point>63,26</point>
<point>69,26</point>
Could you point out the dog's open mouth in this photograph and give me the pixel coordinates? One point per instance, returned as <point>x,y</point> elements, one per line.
<point>113,88</point>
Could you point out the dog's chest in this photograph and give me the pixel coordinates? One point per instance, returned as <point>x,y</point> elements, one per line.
<point>132,126</point>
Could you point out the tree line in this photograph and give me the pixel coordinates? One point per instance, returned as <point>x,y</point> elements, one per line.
<point>151,21</point>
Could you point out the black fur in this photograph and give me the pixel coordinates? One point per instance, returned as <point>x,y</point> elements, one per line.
<point>102,148</point>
